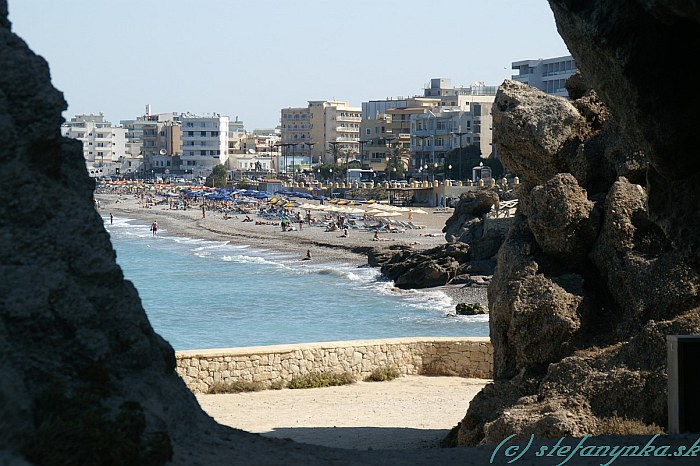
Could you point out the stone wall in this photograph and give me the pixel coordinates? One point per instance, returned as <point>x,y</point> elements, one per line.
<point>468,357</point>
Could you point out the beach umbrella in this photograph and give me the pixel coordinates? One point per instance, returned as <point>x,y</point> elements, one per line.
<point>374,212</point>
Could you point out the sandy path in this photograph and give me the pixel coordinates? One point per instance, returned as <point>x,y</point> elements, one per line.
<point>409,412</point>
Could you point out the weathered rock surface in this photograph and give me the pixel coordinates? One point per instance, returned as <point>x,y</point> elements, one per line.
<point>601,263</point>
<point>561,217</point>
<point>468,257</point>
<point>422,269</point>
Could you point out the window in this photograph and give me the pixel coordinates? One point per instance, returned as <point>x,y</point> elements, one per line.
<point>368,131</point>
<point>214,133</point>
<point>202,152</point>
<point>203,133</point>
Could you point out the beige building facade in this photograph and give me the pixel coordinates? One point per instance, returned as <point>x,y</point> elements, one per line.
<point>322,131</point>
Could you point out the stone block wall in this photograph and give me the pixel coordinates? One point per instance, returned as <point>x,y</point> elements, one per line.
<point>467,357</point>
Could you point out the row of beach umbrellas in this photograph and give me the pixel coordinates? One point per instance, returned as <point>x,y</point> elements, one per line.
<point>377,210</point>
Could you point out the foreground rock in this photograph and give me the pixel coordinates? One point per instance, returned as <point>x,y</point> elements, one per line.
<point>599,265</point>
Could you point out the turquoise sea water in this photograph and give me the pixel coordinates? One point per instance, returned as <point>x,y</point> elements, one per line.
<point>206,294</point>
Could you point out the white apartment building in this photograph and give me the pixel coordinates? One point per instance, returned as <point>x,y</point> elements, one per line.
<point>104,145</point>
<point>548,75</point>
<point>204,143</point>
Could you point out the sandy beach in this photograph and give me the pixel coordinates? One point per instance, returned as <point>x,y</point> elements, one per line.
<point>409,412</point>
<point>324,246</point>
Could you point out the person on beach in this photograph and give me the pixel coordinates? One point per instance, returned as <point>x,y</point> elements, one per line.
<point>308,255</point>
<point>204,211</point>
<point>345,233</point>
<point>111,219</point>
<point>154,227</point>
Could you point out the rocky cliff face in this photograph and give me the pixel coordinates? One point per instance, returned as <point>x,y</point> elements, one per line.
<point>602,261</point>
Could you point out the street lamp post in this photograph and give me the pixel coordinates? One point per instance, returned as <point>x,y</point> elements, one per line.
<point>460,133</point>
<point>294,145</point>
<point>388,140</point>
<point>449,173</point>
<point>435,165</point>
<point>422,145</point>
<point>311,155</point>
<point>362,152</point>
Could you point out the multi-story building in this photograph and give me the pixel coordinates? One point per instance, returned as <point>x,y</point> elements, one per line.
<point>335,127</point>
<point>429,125</point>
<point>258,154</point>
<point>156,138</point>
<point>236,133</point>
<point>104,145</point>
<point>548,75</point>
<point>462,117</point>
<point>204,143</point>
<point>387,123</point>
<point>321,132</point>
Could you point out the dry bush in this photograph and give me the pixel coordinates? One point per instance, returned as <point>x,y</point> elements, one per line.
<point>320,379</point>
<point>382,374</point>
<point>616,425</point>
<point>235,387</point>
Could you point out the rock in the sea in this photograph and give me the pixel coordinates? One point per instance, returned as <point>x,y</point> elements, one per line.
<point>470,309</point>
<point>422,269</point>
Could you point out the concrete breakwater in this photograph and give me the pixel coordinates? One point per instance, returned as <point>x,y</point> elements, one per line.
<point>467,357</point>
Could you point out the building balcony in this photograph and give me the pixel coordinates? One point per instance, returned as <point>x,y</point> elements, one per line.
<point>347,118</point>
<point>347,139</point>
<point>347,129</point>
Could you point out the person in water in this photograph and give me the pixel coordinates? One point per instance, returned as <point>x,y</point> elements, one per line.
<point>308,255</point>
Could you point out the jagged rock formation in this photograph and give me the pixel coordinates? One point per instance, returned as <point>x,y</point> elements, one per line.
<point>421,269</point>
<point>602,260</point>
<point>467,224</point>
<point>469,257</point>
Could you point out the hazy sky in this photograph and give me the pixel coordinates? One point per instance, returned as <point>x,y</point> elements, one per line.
<point>250,58</point>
